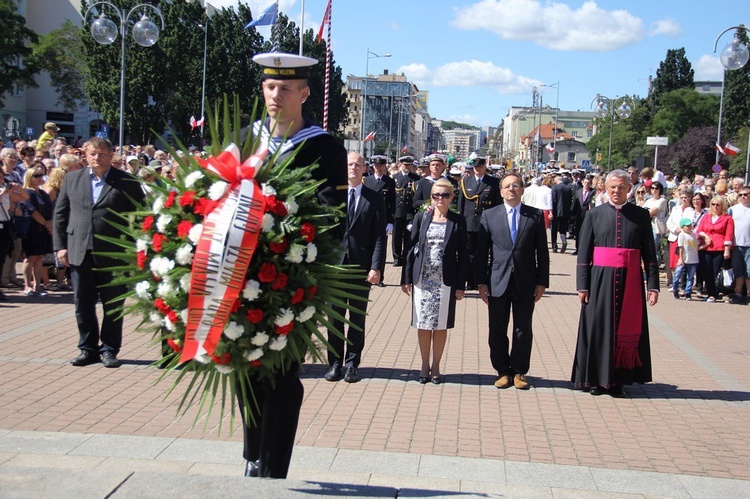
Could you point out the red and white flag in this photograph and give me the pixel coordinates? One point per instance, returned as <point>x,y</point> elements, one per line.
<point>720,149</point>
<point>326,20</point>
<point>193,123</point>
<point>550,147</point>
<point>731,150</point>
<point>370,136</point>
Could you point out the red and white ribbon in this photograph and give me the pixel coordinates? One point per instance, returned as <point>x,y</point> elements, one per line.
<point>224,251</point>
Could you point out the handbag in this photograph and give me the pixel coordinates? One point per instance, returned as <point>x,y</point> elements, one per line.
<point>21,225</point>
<point>725,279</point>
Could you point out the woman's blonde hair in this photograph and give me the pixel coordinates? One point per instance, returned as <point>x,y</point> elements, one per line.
<point>723,201</point>
<point>69,161</point>
<point>444,183</point>
<point>56,178</point>
<point>38,165</point>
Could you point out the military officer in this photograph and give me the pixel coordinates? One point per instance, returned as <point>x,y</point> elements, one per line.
<point>404,211</point>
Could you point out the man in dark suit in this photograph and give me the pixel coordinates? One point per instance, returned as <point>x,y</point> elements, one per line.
<point>423,188</point>
<point>404,211</point>
<point>512,269</point>
<point>476,193</point>
<point>562,197</point>
<point>364,243</point>
<point>380,182</point>
<point>88,200</point>
<point>583,201</point>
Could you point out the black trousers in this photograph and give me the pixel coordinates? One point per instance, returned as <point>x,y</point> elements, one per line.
<point>270,439</point>
<point>710,265</point>
<point>519,358</point>
<point>471,250</point>
<point>400,240</point>
<point>559,225</point>
<point>355,336</point>
<point>6,242</point>
<point>86,291</point>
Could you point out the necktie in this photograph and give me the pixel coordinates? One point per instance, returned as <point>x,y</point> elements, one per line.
<point>513,228</point>
<point>352,205</point>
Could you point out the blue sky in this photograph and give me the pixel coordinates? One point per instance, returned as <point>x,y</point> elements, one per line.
<point>478,58</point>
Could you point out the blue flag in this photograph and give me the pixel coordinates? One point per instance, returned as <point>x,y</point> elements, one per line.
<point>267,18</point>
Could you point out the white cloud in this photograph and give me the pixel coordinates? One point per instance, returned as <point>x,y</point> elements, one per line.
<point>553,25</point>
<point>708,68</point>
<point>468,74</point>
<point>667,27</point>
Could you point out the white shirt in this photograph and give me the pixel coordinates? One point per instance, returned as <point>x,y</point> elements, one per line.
<point>741,216</point>
<point>357,195</point>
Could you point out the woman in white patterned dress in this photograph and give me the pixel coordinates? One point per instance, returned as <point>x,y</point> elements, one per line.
<point>435,274</point>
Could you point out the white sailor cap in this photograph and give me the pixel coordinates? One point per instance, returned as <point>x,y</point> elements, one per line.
<point>437,157</point>
<point>408,160</point>
<point>379,160</point>
<point>280,66</point>
<point>455,170</point>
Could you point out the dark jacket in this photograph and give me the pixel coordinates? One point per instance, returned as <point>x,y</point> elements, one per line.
<point>365,237</point>
<point>475,197</point>
<point>387,188</point>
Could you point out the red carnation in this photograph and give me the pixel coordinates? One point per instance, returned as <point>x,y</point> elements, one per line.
<point>298,296</point>
<point>279,209</point>
<point>285,329</point>
<point>161,306</point>
<point>312,292</point>
<point>187,198</point>
<point>279,247</point>
<point>148,222</point>
<point>183,228</point>
<point>270,203</point>
<point>141,259</point>
<point>280,281</point>
<point>175,346</point>
<point>200,206</point>
<point>172,316</point>
<point>221,359</point>
<point>254,315</point>
<point>307,231</point>
<point>267,272</point>
<point>158,240</point>
<point>255,363</point>
<point>169,202</point>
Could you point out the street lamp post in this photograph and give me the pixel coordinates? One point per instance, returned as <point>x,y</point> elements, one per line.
<point>555,85</point>
<point>734,56</point>
<point>606,106</point>
<point>363,111</point>
<point>145,33</point>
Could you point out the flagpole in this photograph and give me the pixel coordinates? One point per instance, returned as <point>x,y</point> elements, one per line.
<point>328,66</point>
<point>302,27</point>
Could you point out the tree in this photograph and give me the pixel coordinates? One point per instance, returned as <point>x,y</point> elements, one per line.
<point>16,67</point>
<point>60,53</point>
<point>736,97</point>
<point>693,153</point>
<point>681,110</point>
<point>674,72</point>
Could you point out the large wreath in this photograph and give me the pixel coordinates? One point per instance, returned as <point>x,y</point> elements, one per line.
<point>234,266</point>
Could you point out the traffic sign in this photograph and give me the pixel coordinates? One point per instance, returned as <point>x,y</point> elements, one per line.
<point>104,128</point>
<point>102,135</point>
<point>29,131</point>
<point>657,141</point>
<point>716,168</point>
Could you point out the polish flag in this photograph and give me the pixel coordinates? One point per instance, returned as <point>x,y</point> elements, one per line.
<point>731,150</point>
<point>193,123</point>
<point>370,136</point>
<point>550,147</point>
<point>326,20</point>
<point>720,149</point>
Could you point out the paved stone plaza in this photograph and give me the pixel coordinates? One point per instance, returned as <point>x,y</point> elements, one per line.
<point>86,432</point>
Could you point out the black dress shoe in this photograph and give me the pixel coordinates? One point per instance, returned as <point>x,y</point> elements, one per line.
<point>351,375</point>
<point>436,380</point>
<point>575,252</point>
<point>397,263</point>
<point>424,380</point>
<point>597,390</point>
<point>86,358</point>
<point>617,392</point>
<point>381,284</point>
<point>554,250</point>
<point>110,360</point>
<point>334,373</point>
<point>252,469</point>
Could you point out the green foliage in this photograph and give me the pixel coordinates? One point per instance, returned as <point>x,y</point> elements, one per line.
<point>16,64</point>
<point>691,154</point>
<point>450,125</point>
<point>628,138</point>
<point>674,72</point>
<point>682,109</point>
<point>60,53</point>
<point>736,97</point>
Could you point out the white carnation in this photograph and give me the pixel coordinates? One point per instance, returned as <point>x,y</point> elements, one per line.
<point>291,206</point>
<point>278,343</point>
<point>267,222</point>
<point>141,290</point>
<point>141,244</point>
<point>203,358</point>
<point>312,253</point>
<point>155,319</point>
<point>195,233</point>
<point>306,314</point>
<point>184,316</point>
<point>192,178</point>
<point>165,289</point>
<point>158,204</point>
<point>184,255</point>
<point>162,222</point>
<point>233,331</point>
<point>185,282</point>
<point>224,369</point>
<point>260,339</point>
<point>216,191</point>
<point>284,317</point>
<point>267,190</point>
<point>295,253</point>
<point>252,290</point>
<point>254,354</point>
<point>169,325</point>
<point>161,265</point>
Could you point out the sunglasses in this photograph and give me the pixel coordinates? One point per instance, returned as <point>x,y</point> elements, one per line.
<point>641,192</point>
<point>715,204</point>
<point>38,175</point>
<point>652,188</point>
<point>443,195</point>
<point>744,194</point>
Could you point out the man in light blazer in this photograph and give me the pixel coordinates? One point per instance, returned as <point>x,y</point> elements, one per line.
<point>364,243</point>
<point>512,269</point>
<point>88,199</point>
